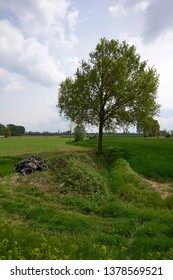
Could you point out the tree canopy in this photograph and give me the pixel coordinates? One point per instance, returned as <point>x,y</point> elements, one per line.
<point>2,127</point>
<point>16,129</point>
<point>149,127</point>
<point>113,88</point>
<point>12,129</point>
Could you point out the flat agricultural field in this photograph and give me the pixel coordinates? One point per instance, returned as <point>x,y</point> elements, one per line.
<point>150,157</point>
<point>17,146</point>
<point>117,205</point>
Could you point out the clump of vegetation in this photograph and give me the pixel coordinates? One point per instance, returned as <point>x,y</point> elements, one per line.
<point>7,132</point>
<point>78,173</point>
<point>79,132</point>
<point>168,135</point>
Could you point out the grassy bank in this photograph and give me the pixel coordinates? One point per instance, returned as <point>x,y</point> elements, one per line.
<point>87,206</point>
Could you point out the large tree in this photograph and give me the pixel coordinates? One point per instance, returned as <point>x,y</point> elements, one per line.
<point>113,88</point>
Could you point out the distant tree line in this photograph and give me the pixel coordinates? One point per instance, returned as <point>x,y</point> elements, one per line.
<point>149,130</point>
<point>12,130</point>
<point>47,133</point>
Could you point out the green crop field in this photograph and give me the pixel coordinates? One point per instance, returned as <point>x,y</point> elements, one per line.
<point>150,157</point>
<point>117,205</point>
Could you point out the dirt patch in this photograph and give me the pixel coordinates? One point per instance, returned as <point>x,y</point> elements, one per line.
<point>163,188</point>
<point>37,179</point>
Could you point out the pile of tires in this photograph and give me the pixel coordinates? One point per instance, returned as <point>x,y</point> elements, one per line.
<point>29,165</point>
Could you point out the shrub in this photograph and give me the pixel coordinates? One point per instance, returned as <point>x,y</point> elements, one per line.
<point>78,173</point>
<point>168,135</point>
<point>79,132</point>
<point>7,132</point>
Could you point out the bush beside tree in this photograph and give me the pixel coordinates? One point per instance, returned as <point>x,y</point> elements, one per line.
<point>79,132</point>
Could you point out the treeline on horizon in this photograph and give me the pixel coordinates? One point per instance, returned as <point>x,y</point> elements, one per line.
<point>11,130</point>
<point>19,130</point>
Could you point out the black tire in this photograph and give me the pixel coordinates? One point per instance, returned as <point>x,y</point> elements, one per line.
<point>27,171</point>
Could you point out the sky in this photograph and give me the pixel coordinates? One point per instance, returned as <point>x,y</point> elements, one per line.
<point>43,41</point>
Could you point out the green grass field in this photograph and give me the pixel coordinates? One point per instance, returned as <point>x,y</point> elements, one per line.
<point>118,205</point>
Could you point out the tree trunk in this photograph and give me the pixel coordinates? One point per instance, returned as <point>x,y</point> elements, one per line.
<point>100,141</point>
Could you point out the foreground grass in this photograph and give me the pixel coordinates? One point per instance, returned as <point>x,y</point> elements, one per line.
<point>84,207</point>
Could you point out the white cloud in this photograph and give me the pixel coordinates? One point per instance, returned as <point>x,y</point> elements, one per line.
<point>36,16</point>
<point>72,63</point>
<point>11,38</point>
<point>67,42</point>
<point>155,16</point>
<point>142,6</point>
<point>117,10</point>
<point>46,20</point>
<point>27,57</point>
<point>72,18</point>
<point>9,81</point>
<point>158,19</point>
<point>37,39</point>
<point>39,65</point>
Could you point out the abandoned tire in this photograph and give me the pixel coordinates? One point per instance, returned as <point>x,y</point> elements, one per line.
<point>26,171</point>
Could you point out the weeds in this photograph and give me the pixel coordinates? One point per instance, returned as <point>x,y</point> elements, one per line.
<point>78,174</point>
